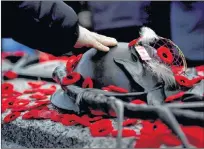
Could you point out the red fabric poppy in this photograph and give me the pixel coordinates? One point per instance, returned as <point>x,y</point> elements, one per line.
<point>10,74</point>
<point>117,89</point>
<point>79,57</point>
<point>133,42</point>
<point>106,89</point>
<point>165,54</point>
<point>199,68</point>
<point>177,69</point>
<point>11,117</point>
<point>197,79</point>
<point>112,113</point>
<point>20,109</point>
<point>101,128</point>
<point>97,118</point>
<point>82,121</point>
<point>88,83</point>
<point>30,115</point>
<point>129,122</point>
<point>68,120</point>
<point>195,135</point>
<point>97,112</point>
<point>30,91</point>
<point>9,102</point>
<point>38,96</point>
<point>21,103</point>
<point>55,116</point>
<point>49,91</point>
<point>175,96</point>
<point>125,133</point>
<point>71,78</point>
<point>170,140</point>
<point>43,114</point>
<point>19,53</point>
<point>3,108</point>
<point>138,101</point>
<point>7,88</point>
<point>183,81</point>
<point>36,84</point>
<point>71,63</point>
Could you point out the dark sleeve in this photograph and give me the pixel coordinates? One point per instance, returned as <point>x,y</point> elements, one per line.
<point>49,26</point>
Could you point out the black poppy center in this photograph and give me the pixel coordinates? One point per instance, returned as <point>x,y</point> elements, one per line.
<point>69,77</point>
<point>101,130</point>
<point>165,55</point>
<point>12,116</point>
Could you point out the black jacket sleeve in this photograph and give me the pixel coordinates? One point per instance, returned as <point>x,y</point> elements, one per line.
<point>49,26</point>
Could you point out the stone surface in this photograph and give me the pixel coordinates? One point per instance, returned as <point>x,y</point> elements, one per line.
<point>47,134</point>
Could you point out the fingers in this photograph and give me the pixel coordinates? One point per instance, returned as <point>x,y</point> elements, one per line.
<point>106,41</point>
<point>97,45</point>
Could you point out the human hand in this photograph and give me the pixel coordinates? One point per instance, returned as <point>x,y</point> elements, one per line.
<point>91,39</point>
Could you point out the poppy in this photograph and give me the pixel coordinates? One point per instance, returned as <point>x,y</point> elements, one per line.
<point>43,114</point>
<point>3,108</point>
<point>106,89</point>
<point>129,122</point>
<point>7,88</point>
<point>177,69</point>
<point>138,101</point>
<point>117,89</point>
<point>20,109</point>
<point>38,96</point>
<point>30,114</point>
<point>170,140</point>
<point>21,103</point>
<point>19,53</point>
<point>133,42</point>
<point>95,118</point>
<point>82,121</point>
<point>30,91</point>
<point>97,112</point>
<point>197,79</point>
<point>55,116</point>
<point>71,63</point>
<point>79,57</point>
<point>88,83</point>
<point>9,102</point>
<point>101,128</point>
<point>48,91</point>
<point>200,68</point>
<point>175,96</point>
<point>71,78</point>
<point>112,113</point>
<point>11,117</point>
<point>125,133</point>
<point>36,84</point>
<point>183,81</point>
<point>165,54</point>
<point>10,74</point>
<point>68,120</point>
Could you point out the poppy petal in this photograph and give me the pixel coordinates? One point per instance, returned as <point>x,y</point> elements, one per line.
<point>11,117</point>
<point>88,83</point>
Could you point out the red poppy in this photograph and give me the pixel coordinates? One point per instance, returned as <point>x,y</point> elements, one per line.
<point>125,133</point>
<point>97,112</point>
<point>55,116</point>
<point>129,122</point>
<point>133,42</point>
<point>68,120</point>
<point>71,63</point>
<point>7,88</point>
<point>165,54</point>
<point>20,109</point>
<point>30,91</point>
<point>101,128</point>
<point>95,118</point>
<point>3,108</point>
<point>177,69</point>
<point>19,53</point>
<point>49,91</point>
<point>199,68</point>
<point>117,89</point>
<point>183,81</point>
<point>30,115</point>
<point>112,113</point>
<point>82,121</point>
<point>88,83</point>
<point>197,79</point>
<point>11,117</point>
<point>9,102</point>
<point>38,96</point>
<point>10,74</point>
<point>71,78</point>
<point>21,103</point>
<point>170,140</point>
<point>106,89</point>
<point>79,57</point>
<point>43,114</point>
<point>138,101</point>
<point>195,135</point>
<point>36,84</point>
<point>175,96</point>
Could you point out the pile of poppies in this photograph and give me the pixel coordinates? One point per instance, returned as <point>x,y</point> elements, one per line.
<point>152,134</point>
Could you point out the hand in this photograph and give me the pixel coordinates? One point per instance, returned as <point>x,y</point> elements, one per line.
<point>91,39</point>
